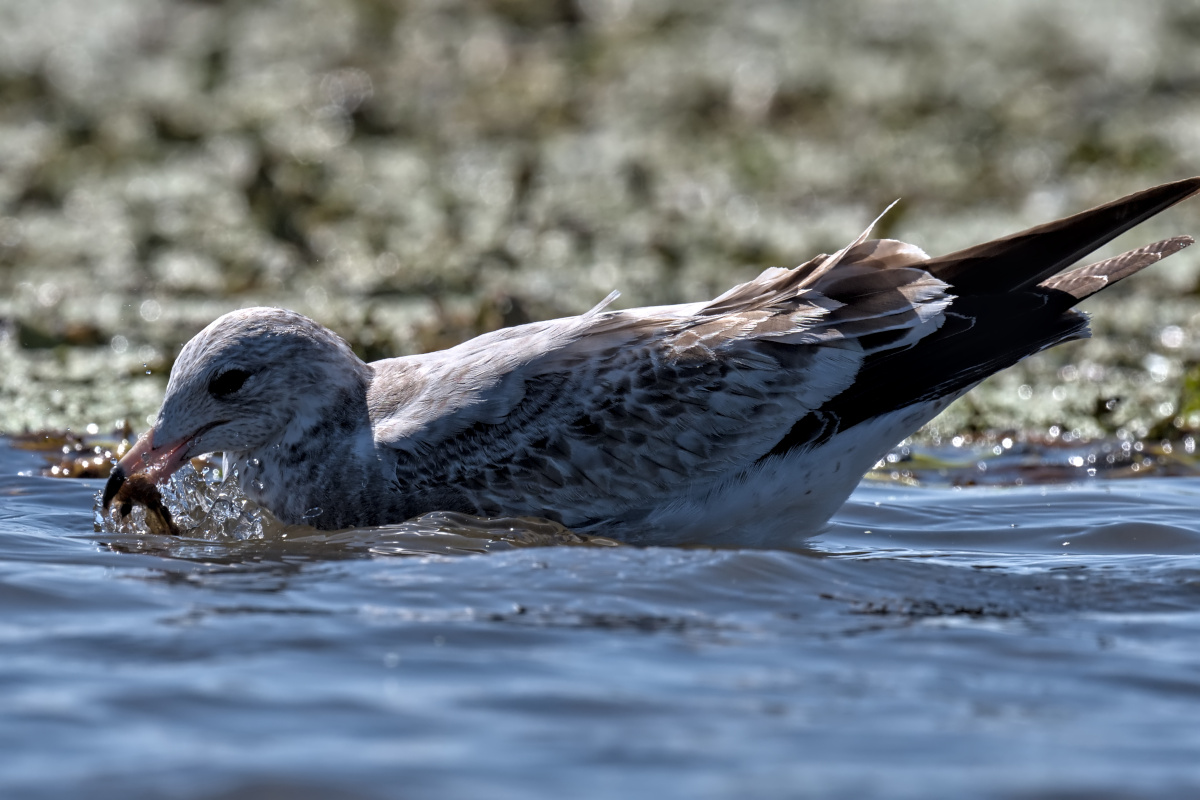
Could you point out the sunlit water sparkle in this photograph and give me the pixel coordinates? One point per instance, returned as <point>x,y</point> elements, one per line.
<point>981,642</point>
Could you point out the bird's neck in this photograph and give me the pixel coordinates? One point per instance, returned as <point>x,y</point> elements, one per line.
<point>322,466</point>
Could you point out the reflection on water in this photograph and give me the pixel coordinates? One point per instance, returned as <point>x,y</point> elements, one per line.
<point>982,641</point>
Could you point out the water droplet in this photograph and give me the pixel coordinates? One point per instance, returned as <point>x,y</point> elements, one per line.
<point>150,310</point>
<point>202,504</point>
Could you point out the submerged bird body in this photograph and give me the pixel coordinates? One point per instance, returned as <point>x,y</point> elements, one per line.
<point>739,420</point>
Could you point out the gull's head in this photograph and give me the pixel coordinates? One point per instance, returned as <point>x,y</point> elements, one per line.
<point>242,384</point>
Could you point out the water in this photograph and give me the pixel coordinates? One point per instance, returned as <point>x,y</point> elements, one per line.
<point>981,642</point>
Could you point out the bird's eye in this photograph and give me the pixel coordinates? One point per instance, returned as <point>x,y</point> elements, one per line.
<point>228,382</point>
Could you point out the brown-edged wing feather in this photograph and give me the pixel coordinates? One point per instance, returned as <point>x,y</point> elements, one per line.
<point>590,418</point>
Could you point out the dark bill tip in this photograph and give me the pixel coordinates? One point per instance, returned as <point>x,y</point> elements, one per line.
<point>116,479</point>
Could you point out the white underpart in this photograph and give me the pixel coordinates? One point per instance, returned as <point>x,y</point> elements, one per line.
<point>789,498</point>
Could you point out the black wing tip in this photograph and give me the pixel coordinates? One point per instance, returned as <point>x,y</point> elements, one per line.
<point>1154,199</point>
<point>1148,202</point>
<point>1192,185</point>
<point>1025,259</point>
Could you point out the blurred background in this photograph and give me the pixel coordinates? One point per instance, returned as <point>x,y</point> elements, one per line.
<point>413,173</point>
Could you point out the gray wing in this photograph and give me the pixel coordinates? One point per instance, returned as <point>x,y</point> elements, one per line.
<point>611,412</point>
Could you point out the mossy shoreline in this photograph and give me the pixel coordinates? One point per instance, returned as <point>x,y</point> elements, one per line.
<point>411,174</point>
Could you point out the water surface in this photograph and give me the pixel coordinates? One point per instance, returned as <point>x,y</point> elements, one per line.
<point>978,642</point>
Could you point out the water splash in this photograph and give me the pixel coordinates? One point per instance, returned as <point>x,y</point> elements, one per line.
<point>210,507</point>
<point>204,504</point>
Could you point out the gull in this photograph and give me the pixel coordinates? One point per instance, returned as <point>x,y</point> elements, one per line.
<point>745,420</point>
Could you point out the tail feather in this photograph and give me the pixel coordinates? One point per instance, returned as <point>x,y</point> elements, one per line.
<point>1085,281</point>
